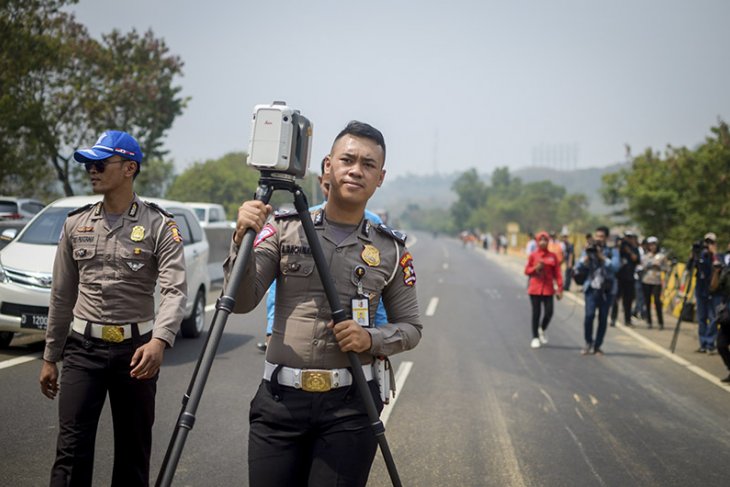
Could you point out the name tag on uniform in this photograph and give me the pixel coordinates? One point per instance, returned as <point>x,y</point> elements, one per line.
<point>361,310</point>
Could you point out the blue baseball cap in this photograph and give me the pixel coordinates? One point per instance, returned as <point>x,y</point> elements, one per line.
<point>111,142</point>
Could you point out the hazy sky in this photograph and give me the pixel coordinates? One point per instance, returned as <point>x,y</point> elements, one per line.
<point>452,84</point>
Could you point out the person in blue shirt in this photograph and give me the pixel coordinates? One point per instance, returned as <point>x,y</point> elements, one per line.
<point>380,315</point>
<point>598,264</point>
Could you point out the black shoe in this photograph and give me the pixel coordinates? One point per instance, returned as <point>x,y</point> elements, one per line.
<point>726,380</point>
<point>597,351</point>
<point>613,322</point>
<point>661,327</point>
<point>711,351</point>
<point>701,350</point>
<point>261,346</point>
<point>630,325</point>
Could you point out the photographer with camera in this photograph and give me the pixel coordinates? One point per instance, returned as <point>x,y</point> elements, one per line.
<point>629,255</point>
<point>720,286</point>
<point>705,254</point>
<point>596,272</point>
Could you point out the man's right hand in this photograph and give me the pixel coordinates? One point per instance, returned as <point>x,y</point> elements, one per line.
<point>49,379</point>
<point>251,214</point>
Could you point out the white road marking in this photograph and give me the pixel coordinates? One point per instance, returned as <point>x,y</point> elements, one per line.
<point>585,456</point>
<point>20,360</point>
<point>550,400</point>
<point>431,309</point>
<point>400,379</point>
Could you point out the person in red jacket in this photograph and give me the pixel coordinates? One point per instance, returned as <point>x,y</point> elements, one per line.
<point>543,267</point>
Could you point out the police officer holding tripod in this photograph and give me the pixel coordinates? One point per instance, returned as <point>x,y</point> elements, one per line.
<point>308,423</point>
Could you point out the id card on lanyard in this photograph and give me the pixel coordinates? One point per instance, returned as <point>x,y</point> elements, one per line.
<point>360,303</point>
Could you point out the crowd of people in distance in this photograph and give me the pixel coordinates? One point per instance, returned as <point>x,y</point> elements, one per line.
<point>631,274</point>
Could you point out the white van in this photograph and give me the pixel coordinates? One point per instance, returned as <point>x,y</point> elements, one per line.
<point>208,213</point>
<point>26,268</point>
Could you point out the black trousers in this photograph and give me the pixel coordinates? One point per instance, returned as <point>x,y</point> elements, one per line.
<point>91,368</point>
<point>300,438</point>
<point>537,302</point>
<point>626,293</point>
<point>723,344</point>
<point>656,291</point>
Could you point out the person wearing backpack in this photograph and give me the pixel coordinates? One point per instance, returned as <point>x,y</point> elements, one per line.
<point>596,271</point>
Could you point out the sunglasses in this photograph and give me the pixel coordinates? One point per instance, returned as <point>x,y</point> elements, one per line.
<point>100,165</point>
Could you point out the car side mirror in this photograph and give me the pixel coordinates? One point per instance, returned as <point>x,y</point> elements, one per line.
<point>8,234</point>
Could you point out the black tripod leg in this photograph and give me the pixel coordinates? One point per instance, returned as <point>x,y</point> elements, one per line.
<point>224,307</point>
<point>338,315</point>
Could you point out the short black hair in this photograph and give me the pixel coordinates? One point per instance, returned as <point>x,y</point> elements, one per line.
<point>362,129</point>
<point>321,168</point>
<point>603,229</point>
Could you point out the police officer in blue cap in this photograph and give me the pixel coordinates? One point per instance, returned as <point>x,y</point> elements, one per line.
<point>100,321</point>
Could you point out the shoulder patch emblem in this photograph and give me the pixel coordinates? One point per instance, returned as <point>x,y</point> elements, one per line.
<point>175,231</point>
<point>265,233</point>
<point>409,273</point>
<point>394,234</point>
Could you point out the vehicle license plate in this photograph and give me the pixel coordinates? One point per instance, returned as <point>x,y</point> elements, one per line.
<point>28,320</point>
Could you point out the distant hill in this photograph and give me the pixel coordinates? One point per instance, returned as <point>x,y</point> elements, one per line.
<point>434,190</point>
<point>586,181</point>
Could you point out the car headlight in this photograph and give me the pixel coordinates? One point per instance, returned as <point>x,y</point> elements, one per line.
<point>3,275</point>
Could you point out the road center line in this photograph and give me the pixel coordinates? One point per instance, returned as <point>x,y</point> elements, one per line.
<point>431,309</point>
<point>400,379</point>
<point>20,360</point>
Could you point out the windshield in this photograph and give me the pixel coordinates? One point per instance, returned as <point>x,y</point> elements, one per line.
<point>8,207</point>
<point>46,229</point>
<point>200,213</point>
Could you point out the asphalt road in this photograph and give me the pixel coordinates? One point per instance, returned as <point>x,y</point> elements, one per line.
<point>478,408</point>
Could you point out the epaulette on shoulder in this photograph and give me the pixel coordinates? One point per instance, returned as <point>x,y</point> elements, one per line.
<point>159,209</point>
<point>279,214</point>
<point>394,234</point>
<point>81,209</point>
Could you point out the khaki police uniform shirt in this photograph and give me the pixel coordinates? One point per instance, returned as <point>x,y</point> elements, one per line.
<point>108,275</point>
<point>300,336</point>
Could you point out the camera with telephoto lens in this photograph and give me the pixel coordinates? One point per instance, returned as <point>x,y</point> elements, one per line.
<point>280,140</point>
<point>697,248</point>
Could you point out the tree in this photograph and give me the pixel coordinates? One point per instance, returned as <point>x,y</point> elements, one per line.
<point>61,89</point>
<point>679,195</point>
<point>538,205</point>
<point>472,194</point>
<point>226,181</point>
<point>229,181</point>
